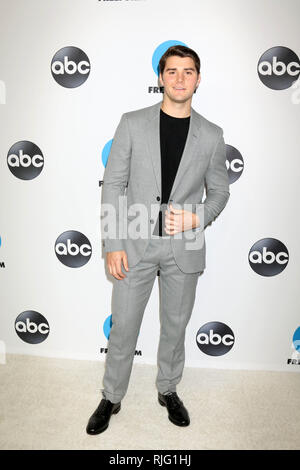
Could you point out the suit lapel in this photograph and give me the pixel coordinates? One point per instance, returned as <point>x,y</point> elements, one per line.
<point>153,141</point>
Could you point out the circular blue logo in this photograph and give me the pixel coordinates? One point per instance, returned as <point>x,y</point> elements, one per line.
<point>296,340</point>
<point>107,326</point>
<point>106,152</point>
<point>160,50</point>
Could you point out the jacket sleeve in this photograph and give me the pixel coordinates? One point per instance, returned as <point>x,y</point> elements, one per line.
<point>217,185</point>
<point>115,180</point>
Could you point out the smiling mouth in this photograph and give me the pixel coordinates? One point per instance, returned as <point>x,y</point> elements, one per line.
<point>179,89</point>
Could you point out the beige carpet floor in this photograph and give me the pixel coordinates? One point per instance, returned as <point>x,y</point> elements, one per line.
<point>46,403</point>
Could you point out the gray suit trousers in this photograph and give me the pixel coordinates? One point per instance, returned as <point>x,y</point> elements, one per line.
<point>130,296</point>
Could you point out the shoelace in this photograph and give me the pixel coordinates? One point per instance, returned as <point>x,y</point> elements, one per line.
<point>173,400</point>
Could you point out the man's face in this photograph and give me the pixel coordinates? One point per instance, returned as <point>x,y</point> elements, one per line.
<point>179,78</point>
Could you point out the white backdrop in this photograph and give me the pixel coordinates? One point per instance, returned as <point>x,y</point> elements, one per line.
<point>71,126</point>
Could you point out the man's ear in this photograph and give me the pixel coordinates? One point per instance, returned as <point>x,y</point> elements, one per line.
<point>160,79</point>
<point>199,78</point>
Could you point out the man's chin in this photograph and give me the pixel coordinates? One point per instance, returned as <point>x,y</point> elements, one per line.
<point>179,99</point>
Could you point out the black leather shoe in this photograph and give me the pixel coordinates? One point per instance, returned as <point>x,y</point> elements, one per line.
<point>99,420</point>
<point>178,414</point>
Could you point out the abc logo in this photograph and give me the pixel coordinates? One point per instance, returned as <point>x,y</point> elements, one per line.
<point>215,338</point>
<point>32,327</point>
<point>278,68</point>
<point>73,249</point>
<point>25,160</point>
<point>268,257</point>
<point>70,67</point>
<point>234,163</point>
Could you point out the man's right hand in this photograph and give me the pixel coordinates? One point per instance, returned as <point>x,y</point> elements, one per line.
<point>114,262</point>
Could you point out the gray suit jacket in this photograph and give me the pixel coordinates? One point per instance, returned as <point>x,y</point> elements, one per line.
<point>133,176</point>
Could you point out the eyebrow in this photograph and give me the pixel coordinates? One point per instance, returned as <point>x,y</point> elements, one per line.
<point>175,68</point>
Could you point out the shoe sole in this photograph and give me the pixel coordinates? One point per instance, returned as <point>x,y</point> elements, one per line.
<point>172,421</point>
<point>93,433</point>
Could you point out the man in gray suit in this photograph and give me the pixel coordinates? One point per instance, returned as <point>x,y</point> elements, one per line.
<point>160,159</point>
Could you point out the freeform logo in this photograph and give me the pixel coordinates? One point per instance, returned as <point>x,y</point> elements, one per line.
<point>32,327</point>
<point>25,160</point>
<point>296,340</point>
<point>70,67</point>
<point>295,354</point>
<point>268,257</point>
<point>106,152</point>
<point>234,163</point>
<point>73,249</point>
<point>215,338</point>
<point>107,326</point>
<point>278,68</point>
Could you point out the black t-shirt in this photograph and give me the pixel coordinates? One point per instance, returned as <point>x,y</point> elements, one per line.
<point>173,134</point>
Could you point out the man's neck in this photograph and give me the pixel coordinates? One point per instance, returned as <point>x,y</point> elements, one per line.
<point>179,110</point>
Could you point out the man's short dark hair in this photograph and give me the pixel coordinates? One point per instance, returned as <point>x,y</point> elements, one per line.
<point>181,51</point>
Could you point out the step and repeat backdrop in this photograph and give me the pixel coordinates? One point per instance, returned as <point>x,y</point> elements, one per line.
<point>68,71</point>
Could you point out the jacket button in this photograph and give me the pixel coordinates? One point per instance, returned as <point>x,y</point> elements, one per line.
<point>151,221</point>
<point>158,198</point>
